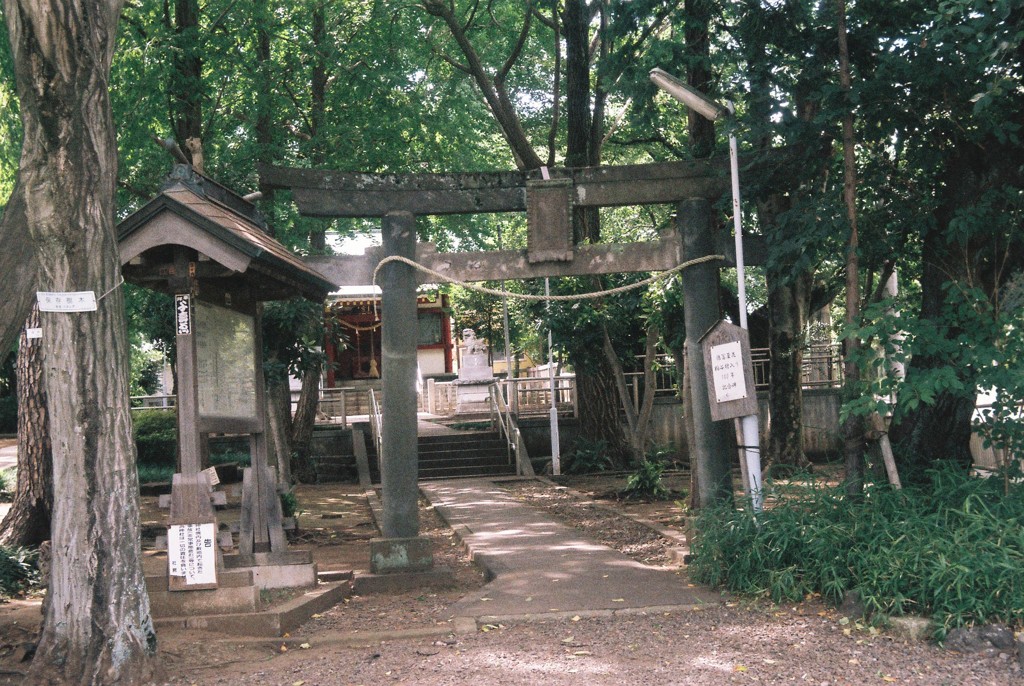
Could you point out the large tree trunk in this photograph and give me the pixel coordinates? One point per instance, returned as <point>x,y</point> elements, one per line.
<point>97,628</point>
<point>941,431</point>
<point>186,87</point>
<point>28,521</point>
<point>19,265</point>
<point>279,426</point>
<point>788,301</point>
<point>599,409</point>
<point>305,409</point>
<point>853,426</point>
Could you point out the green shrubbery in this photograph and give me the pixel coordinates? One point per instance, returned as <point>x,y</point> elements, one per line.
<point>953,551</point>
<point>156,436</point>
<point>19,570</point>
<point>588,457</point>
<point>645,483</point>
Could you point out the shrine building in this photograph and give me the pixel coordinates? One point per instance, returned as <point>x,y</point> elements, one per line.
<point>351,310</point>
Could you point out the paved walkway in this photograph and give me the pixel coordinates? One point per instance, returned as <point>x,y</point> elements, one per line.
<point>9,456</point>
<point>541,567</point>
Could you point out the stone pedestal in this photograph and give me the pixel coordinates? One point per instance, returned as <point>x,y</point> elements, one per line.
<point>473,387</point>
<point>401,555</point>
<point>473,396</point>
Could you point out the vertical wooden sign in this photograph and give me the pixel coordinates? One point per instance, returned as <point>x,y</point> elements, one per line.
<point>729,371</point>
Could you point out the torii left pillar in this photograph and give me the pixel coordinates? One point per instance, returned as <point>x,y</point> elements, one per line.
<point>401,549</point>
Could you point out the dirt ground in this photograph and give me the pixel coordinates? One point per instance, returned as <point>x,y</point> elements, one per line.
<point>361,641</point>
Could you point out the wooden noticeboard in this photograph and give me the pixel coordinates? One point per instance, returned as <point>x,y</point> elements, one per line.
<point>226,361</point>
<point>730,372</point>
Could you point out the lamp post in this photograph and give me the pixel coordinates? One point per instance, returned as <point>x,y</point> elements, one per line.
<point>713,111</point>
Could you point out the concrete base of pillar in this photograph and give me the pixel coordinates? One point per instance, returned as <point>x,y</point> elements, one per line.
<point>394,555</point>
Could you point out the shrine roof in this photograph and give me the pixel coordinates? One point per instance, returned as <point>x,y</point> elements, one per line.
<point>225,220</point>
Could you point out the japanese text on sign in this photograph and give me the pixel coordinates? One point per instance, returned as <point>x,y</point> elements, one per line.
<point>727,372</point>
<point>191,553</point>
<point>76,301</point>
<point>182,315</point>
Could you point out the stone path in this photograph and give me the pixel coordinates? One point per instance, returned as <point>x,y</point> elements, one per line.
<point>541,567</point>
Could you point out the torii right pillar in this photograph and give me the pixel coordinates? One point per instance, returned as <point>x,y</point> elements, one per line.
<point>708,441</point>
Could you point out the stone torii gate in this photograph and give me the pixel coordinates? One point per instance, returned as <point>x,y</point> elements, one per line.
<point>399,198</point>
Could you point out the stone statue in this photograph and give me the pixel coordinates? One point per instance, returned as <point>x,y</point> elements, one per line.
<point>471,344</point>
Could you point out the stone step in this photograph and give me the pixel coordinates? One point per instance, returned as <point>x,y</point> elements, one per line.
<point>467,472</point>
<point>467,452</point>
<point>272,622</point>
<point>231,596</point>
<point>459,439</point>
<point>464,462</point>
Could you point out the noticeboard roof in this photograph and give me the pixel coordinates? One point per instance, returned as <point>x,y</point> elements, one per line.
<point>194,211</point>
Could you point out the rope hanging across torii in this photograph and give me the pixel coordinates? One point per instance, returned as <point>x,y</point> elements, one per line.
<point>539,298</point>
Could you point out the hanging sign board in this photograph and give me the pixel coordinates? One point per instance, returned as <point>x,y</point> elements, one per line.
<point>729,372</point>
<point>192,556</point>
<point>76,301</point>
<point>183,315</point>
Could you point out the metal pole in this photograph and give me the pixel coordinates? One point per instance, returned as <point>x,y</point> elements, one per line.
<point>508,345</point>
<point>556,457</point>
<point>751,435</point>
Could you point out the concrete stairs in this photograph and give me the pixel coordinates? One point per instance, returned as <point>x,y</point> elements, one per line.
<point>464,454</point>
<point>446,455</point>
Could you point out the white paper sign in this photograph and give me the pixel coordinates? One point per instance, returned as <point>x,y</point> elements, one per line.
<point>192,552</point>
<point>727,372</point>
<point>211,476</point>
<point>33,333</point>
<point>77,301</point>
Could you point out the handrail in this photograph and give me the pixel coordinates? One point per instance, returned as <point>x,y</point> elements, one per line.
<point>375,423</point>
<point>508,427</point>
<point>532,394</point>
<point>153,402</point>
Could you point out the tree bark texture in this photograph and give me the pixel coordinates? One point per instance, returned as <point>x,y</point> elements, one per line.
<point>97,628</point>
<point>854,445</point>
<point>28,521</point>
<point>279,426</point>
<point>787,306</point>
<point>187,80</point>
<point>305,410</point>
<point>599,409</point>
<point>19,266</point>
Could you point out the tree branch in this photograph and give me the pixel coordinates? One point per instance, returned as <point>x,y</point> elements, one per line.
<point>518,48</point>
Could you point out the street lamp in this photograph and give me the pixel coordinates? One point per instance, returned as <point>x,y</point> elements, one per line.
<point>713,111</point>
